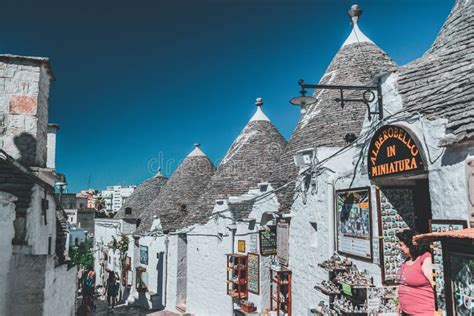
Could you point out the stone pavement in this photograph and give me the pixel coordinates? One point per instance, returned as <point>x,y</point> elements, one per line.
<point>120,310</point>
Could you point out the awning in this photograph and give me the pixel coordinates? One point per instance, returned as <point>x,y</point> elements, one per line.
<point>467,233</point>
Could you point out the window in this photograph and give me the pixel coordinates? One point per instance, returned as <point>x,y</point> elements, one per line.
<point>50,242</point>
<point>128,210</point>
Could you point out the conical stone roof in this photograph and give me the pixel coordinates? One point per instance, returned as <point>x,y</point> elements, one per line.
<point>440,84</point>
<point>141,198</point>
<point>324,123</point>
<point>180,194</point>
<point>251,159</point>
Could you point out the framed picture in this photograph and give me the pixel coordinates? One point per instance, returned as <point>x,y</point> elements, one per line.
<point>144,255</point>
<point>253,268</point>
<point>241,246</point>
<point>353,223</point>
<point>438,226</point>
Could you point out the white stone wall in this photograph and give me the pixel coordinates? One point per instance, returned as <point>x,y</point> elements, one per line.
<point>207,293</point>
<point>7,216</point>
<point>24,92</point>
<point>60,289</point>
<point>37,232</point>
<point>51,147</point>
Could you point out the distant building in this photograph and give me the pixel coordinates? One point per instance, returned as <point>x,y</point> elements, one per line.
<point>76,236</point>
<point>115,196</point>
<point>78,214</point>
<point>90,195</point>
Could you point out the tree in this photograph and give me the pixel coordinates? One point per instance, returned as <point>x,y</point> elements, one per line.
<point>100,203</point>
<point>121,246</point>
<point>82,255</point>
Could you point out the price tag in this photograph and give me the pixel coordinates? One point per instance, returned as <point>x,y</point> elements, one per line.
<point>346,289</point>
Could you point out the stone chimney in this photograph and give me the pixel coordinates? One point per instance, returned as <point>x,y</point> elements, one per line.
<point>24,94</point>
<point>51,146</point>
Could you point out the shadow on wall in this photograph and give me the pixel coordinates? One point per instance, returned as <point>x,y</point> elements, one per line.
<point>26,144</point>
<point>454,155</point>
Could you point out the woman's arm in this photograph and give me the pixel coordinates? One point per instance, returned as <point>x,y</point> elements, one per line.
<point>427,268</point>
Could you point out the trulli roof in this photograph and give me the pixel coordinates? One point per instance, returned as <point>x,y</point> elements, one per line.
<point>324,123</point>
<point>141,198</point>
<point>251,159</point>
<point>180,194</point>
<point>440,84</point>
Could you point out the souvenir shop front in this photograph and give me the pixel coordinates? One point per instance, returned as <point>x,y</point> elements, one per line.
<point>398,193</point>
<point>397,166</point>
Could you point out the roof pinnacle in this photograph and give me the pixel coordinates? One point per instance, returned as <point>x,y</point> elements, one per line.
<point>158,173</point>
<point>259,115</point>
<point>355,12</point>
<point>356,35</point>
<point>197,152</point>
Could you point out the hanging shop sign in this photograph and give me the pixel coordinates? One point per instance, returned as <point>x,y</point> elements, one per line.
<point>439,226</point>
<point>144,255</point>
<point>241,246</point>
<point>393,151</point>
<point>253,245</point>
<point>353,220</point>
<point>396,212</point>
<point>253,271</point>
<point>282,243</point>
<point>267,239</point>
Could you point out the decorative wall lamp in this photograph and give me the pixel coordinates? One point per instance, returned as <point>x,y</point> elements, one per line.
<point>369,94</point>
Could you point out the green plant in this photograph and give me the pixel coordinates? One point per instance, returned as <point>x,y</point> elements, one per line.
<point>120,245</point>
<point>82,255</point>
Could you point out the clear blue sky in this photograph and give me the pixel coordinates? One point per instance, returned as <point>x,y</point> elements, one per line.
<point>138,80</point>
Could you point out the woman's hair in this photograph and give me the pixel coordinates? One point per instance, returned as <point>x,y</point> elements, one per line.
<point>406,237</point>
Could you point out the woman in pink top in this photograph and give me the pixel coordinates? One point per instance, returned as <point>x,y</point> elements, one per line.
<point>416,292</point>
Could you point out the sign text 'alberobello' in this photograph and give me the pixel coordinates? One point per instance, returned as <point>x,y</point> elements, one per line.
<point>393,151</point>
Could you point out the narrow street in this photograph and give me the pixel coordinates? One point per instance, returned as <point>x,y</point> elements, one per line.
<point>121,309</point>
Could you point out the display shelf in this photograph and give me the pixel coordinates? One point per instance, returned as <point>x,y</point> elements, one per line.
<point>237,276</point>
<point>322,290</point>
<point>280,289</point>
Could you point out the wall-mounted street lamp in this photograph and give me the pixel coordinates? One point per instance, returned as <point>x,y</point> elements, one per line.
<point>61,185</point>
<point>369,94</point>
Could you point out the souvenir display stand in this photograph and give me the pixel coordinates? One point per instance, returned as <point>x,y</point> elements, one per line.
<point>346,288</point>
<point>280,291</point>
<point>458,261</point>
<point>237,276</point>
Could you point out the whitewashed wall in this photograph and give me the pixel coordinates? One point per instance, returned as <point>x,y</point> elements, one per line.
<point>37,232</point>
<point>60,289</point>
<point>7,216</point>
<point>207,293</point>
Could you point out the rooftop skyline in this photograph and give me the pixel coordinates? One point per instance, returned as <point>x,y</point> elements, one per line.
<point>137,86</point>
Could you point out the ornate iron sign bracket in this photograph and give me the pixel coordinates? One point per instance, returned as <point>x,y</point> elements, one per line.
<point>369,94</point>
